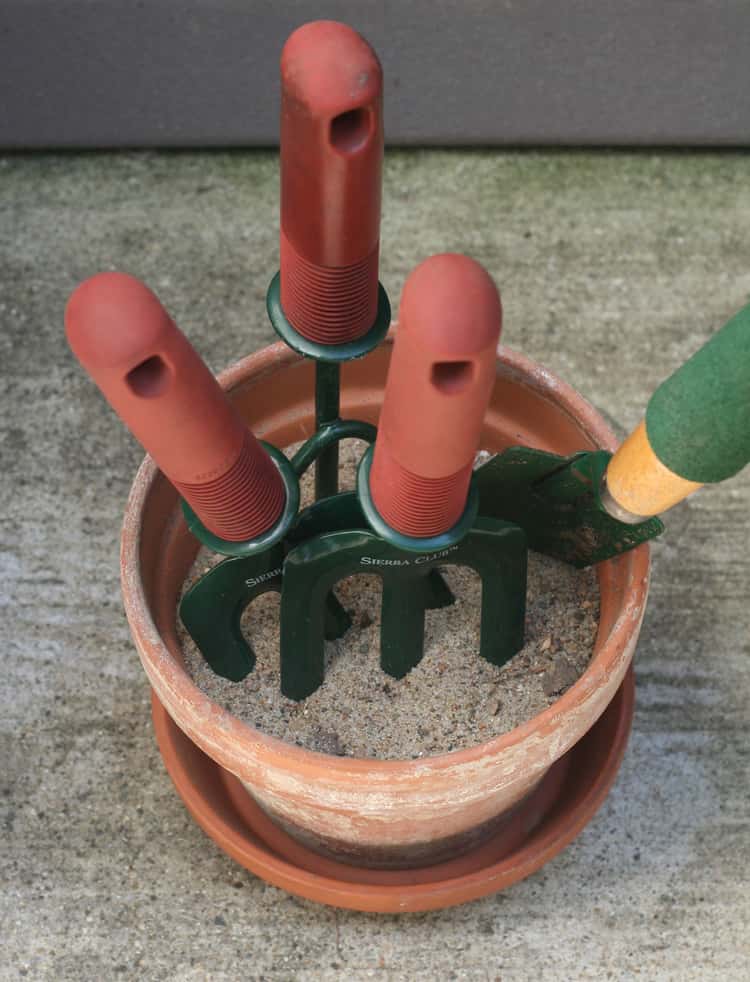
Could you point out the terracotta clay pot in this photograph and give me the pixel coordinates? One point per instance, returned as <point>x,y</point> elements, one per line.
<point>369,812</point>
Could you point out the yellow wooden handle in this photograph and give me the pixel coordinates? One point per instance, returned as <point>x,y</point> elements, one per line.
<point>639,483</point>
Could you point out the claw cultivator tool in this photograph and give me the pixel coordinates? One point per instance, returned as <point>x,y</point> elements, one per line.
<point>418,505</point>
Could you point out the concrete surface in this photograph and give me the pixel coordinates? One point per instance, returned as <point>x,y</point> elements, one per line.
<point>613,268</point>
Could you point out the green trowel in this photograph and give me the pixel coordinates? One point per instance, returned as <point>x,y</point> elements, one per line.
<point>593,505</point>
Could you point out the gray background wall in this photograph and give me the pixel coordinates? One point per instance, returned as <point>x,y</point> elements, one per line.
<point>90,73</point>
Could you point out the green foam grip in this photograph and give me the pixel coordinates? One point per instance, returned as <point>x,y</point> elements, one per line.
<point>698,420</point>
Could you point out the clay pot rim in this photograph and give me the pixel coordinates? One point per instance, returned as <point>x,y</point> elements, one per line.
<point>166,673</point>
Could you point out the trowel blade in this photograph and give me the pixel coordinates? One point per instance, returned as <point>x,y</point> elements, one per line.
<point>556,502</point>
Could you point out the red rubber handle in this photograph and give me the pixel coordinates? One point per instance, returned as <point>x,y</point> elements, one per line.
<point>331,161</point>
<point>157,383</point>
<point>437,392</point>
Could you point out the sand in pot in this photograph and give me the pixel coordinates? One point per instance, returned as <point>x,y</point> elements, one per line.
<point>452,699</point>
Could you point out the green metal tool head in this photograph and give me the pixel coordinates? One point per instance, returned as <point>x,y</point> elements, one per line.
<point>336,542</point>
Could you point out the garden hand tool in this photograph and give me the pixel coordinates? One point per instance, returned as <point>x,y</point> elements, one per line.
<point>326,302</point>
<point>235,497</point>
<point>592,506</point>
<point>325,298</point>
<point>414,489</point>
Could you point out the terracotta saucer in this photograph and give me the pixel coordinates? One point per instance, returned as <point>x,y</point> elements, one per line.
<point>540,827</point>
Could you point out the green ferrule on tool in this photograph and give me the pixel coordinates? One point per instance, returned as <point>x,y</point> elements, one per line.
<point>698,420</point>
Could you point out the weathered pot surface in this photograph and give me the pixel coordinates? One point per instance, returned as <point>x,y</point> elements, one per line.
<point>370,812</point>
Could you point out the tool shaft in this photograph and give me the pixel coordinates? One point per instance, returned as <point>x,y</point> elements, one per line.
<point>331,161</point>
<point>164,393</point>
<point>327,395</point>
<point>439,384</point>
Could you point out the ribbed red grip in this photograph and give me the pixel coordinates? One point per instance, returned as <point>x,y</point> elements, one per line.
<point>438,388</point>
<point>417,505</point>
<point>333,305</point>
<point>331,161</point>
<point>164,393</point>
<point>244,502</point>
